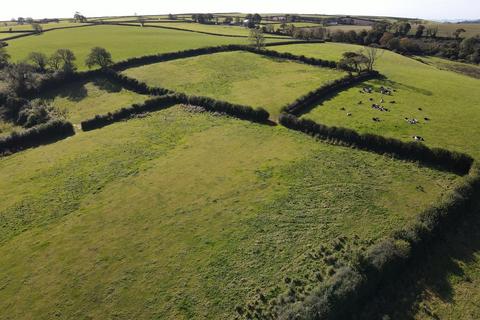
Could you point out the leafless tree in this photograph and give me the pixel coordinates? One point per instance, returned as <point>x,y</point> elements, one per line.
<point>373,54</point>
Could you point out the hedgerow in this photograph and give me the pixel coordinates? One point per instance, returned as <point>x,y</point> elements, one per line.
<point>209,104</point>
<point>350,288</point>
<point>459,163</point>
<point>308,100</point>
<point>44,133</point>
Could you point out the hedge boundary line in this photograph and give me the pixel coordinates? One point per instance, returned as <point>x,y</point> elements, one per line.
<point>451,161</point>
<point>238,111</point>
<point>306,101</point>
<point>353,286</point>
<point>49,132</point>
<point>47,30</point>
<point>187,30</point>
<point>162,57</point>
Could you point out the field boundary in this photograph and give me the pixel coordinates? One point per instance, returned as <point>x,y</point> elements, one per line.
<point>451,161</point>
<point>46,133</point>
<point>258,115</point>
<point>352,286</point>
<point>188,30</point>
<point>32,33</point>
<point>306,102</point>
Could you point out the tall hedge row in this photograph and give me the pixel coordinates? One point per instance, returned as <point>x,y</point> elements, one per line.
<point>133,84</point>
<point>45,133</point>
<point>308,100</point>
<point>100,121</point>
<point>139,61</point>
<point>238,111</point>
<point>448,160</point>
<point>351,287</point>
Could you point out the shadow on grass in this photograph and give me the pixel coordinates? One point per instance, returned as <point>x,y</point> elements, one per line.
<point>73,92</point>
<point>429,277</point>
<point>104,84</point>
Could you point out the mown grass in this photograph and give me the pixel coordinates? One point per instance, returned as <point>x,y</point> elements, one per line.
<point>448,99</point>
<point>183,216</point>
<point>237,77</point>
<point>84,100</point>
<point>123,42</point>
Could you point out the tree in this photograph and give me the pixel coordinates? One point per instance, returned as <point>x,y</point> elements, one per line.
<point>79,17</point>
<point>20,20</point>
<point>419,32</point>
<point>141,20</point>
<point>29,20</point>
<point>228,20</point>
<point>99,57</point>
<point>257,18</point>
<point>354,61</point>
<point>432,31</point>
<point>4,57</point>
<point>457,32</point>
<point>256,38</point>
<point>387,36</point>
<point>63,60</point>
<point>37,27</point>
<point>172,17</point>
<point>373,54</point>
<point>39,60</point>
<point>20,78</point>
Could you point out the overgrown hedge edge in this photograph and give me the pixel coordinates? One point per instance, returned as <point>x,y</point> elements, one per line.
<point>308,100</point>
<point>242,112</point>
<point>351,287</point>
<point>452,161</point>
<point>49,132</point>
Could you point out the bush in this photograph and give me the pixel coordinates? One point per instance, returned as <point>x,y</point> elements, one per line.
<point>49,132</point>
<point>448,160</point>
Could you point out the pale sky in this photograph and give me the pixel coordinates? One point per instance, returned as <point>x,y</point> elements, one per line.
<point>426,9</point>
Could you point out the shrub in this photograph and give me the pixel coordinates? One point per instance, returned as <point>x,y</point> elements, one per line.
<point>49,132</point>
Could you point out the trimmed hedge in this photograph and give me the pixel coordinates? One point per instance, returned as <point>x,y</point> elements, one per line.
<point>133,84</point>
<point>313,97</point>
<point>100,121</point>
<point>209,104</point>
<point>150,59</point>
<point>51,131</point>
<point>351,287</point>
<point>448,160</point>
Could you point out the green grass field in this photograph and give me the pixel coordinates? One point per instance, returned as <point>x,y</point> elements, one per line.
<point>220,29</point>
<point>467,69</point>
<point>85,100</point>
<point>448,99</point>
<point>347,28</point>
<point>183,216</point>
<point>122,42</point>
<point>10,34</point>
<point>45,26</point>
<point>238,77</point>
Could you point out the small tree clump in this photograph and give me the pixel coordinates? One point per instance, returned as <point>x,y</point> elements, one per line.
<point>99,57</point>
<point>256,38</point>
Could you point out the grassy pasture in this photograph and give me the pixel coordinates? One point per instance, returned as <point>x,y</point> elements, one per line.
<point>458,67</point>
<point>238,77</point>
<point>84,100</point>
<point>220,29</point>
<point>122,42</point>
<point>45,26</point>
<point>449,99</point>
<point>10,34</point>
<point>348,28</point>
<point>145,219</point>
